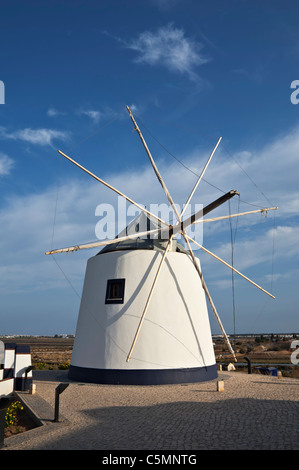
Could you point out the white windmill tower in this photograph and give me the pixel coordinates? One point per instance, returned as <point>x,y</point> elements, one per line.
<point>145,294</point>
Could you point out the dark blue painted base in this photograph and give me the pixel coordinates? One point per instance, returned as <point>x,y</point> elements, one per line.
<point>143,377</point>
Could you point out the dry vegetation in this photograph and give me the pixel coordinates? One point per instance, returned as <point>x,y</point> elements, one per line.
<point>46,352</point>
<point>263,350</point>
<point>55,352</point>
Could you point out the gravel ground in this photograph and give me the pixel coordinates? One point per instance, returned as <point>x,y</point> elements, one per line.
<point>254,412</point>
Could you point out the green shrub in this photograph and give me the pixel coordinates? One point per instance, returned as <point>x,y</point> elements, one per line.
<point>65,365</point>
<point>41,365</point>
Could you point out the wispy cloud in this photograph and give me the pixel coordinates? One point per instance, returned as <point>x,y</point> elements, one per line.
<point>169,47</point>
<point>6,164</point>
<point>24,262</point>
<point>97,115</point>
<point>164,4</point>
<point>255,75</point>
<point>92,114</point>
<point>52,112</point>
<point>260,247</point>
<point>35,136</point>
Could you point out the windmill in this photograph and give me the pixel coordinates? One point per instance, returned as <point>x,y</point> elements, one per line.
<point>144,293</point>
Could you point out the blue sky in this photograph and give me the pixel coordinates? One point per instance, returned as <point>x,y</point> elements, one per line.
<point>191,72</point>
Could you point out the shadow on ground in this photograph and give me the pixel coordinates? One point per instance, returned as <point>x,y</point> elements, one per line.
<point>224,424</point>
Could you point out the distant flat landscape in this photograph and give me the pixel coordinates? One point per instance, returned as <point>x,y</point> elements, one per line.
<point>51,352</point>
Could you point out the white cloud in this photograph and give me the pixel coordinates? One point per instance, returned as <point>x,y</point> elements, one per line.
<point>134,108</point>
<point>164,4</point>
<point>6,164</point>
<point>105,113</point>
<point>52,112</point>
<point>256,249</point>
<point>35,136</point>
<point>28,220</point>
<point>92,114</point>
<point>170,48</point>
<point>268,173</point>
<point>265,176</point>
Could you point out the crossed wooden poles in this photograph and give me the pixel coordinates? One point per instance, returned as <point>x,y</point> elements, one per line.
<point>168,231</point>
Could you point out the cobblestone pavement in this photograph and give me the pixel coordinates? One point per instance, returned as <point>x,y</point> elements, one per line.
<point>253,412</point>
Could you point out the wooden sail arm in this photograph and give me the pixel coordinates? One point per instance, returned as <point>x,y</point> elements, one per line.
<point>219,201</point>
<point>170,230</point>
<point>201,176</point>
<point>164,233</point>
<point>208,295</point>
<point>228,265</point>
<point>148,299</point>
<point>160,179</point>
<point>202,212</point>
<point>103,243</point>
<point>111,187</point>
<point>265,210</point>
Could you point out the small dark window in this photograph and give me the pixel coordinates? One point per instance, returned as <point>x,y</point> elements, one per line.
<point>115,292</point>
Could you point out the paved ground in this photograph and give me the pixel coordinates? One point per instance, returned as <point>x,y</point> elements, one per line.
<point>253,412</point>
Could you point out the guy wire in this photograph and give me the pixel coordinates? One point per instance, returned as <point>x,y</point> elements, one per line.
<point>196,174</point>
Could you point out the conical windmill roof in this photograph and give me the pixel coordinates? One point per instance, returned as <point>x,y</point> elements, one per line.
<point>142,223</point>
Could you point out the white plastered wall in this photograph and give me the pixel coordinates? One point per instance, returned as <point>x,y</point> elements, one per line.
<point>176,329</point>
